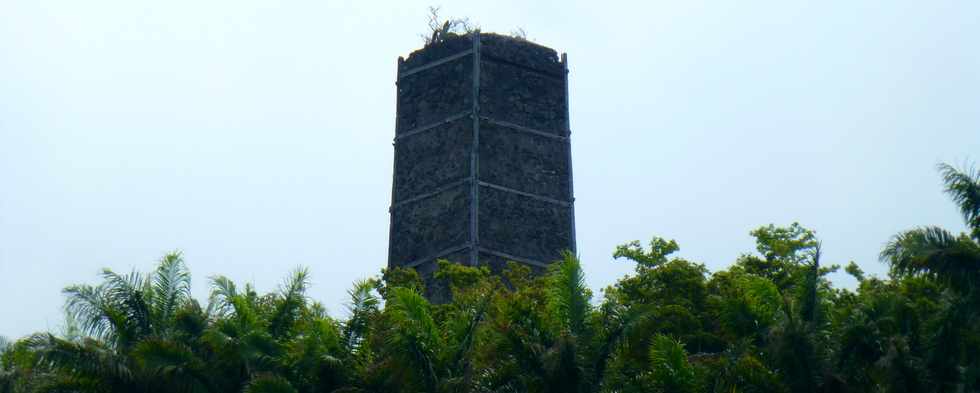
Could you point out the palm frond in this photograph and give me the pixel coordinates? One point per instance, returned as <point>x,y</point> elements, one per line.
<point>964,188</point>
<point>269,383</point>
<point>527,352</point>
<point>414,338</point>
<point>190,321</point>
<point>96,314</point>
<point>810,302</point>
<point>129,295</point>
<point>668,361</point>
<point>163,356</point>
<point>935,251</point>
<point>620,326</point>
<point>87,358</point>
<point>568,295</point>
<point>290,299</point>
<point>222,291</point>
<point>363,304</point>
<point>171,287</point>
<point>468,335</point>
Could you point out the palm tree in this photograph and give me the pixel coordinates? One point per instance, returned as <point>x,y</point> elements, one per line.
<point>877,340</point>
<point>953,260</point>
<point>241,344</point>
<point>795,342</point>
<point>420,346</point>
<point>541,337</point>
<point>937,252</point>
<point>6,371</point>
<point>275,343</point>
<point>141,331</point>
<point>125,309</point>
<point>413,340</point>
<point>964,188</point>
<point>363,308</point>
<point>670,370</point>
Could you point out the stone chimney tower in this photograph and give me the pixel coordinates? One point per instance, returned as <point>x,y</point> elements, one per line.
<point>482,168</point>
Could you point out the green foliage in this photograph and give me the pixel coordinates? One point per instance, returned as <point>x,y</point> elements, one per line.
<point>936,252</point>
<point>400,277</point>
<point>747,305</point>
<point>439,29</point>
<point>855,271</point>
<point>568,297</point>
<point>784,253</point>
<point>363,309</point>
<point>269,384</point>
<point>659,250</point>
<point>784,243</point>
<point>964,188</point>
<point>738,369</point>
<point>669,368</point>
<point>413,338</point>
<point>770,323</point>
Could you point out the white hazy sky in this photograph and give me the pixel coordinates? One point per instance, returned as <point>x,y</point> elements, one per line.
<point>256,135</point>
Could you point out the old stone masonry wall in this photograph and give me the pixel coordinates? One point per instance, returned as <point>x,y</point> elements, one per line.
<point>483,171</point>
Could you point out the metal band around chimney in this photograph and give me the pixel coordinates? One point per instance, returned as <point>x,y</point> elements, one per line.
<point>568,147</point>
<point>475,156</point>
<point>437,255</point>
<point>526,194</point>
<point>513,126</point>
<point>436,63</point>
<point>427,127</point>
<point>512,257</point>
<point>441,189</point>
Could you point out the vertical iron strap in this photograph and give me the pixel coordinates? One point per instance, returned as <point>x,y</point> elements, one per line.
<point>475,156</point>
<point>394,174</point>
<point>568,144</point>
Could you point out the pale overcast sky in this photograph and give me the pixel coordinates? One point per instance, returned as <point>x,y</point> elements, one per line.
<point>256,136</point>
